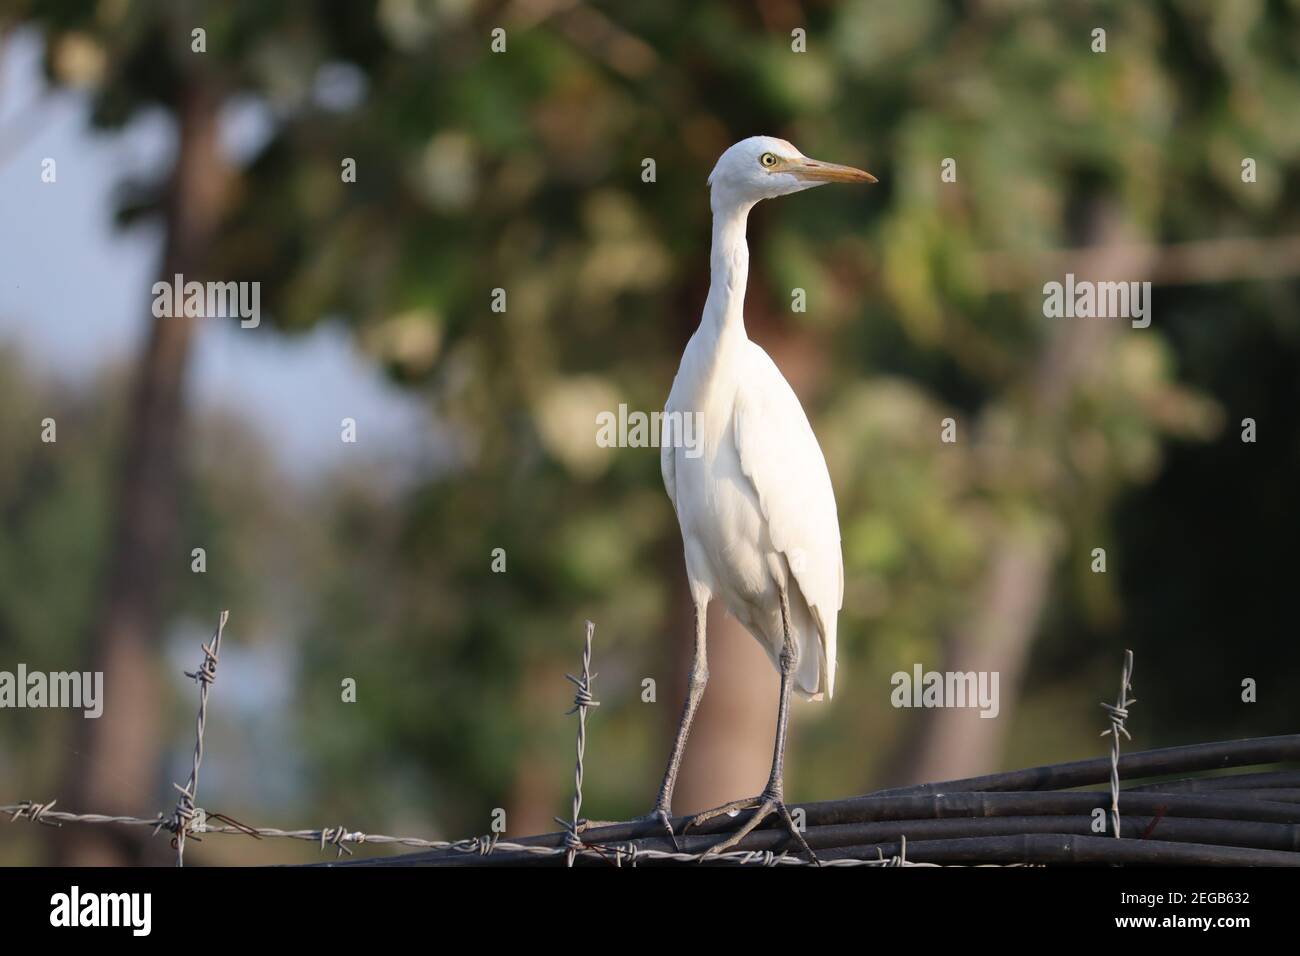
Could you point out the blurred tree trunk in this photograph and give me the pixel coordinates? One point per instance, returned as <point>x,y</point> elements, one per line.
<point>534,798</point>
<point>957,742</point>
<point>537,793</point>
<point>117,755</point>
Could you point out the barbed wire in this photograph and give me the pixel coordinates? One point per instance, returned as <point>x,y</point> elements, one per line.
<point>618,853</point>
<point>188,821</point>
<point>182,818</point>
<point>581,701</point>
<point>341,837</point>
<point>1118,714</point>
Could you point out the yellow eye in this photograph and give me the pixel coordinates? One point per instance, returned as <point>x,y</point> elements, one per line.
<point>768,160</point>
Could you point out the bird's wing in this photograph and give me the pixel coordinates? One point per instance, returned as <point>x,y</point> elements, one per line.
<point>780,455</point>
<point>668,467</point>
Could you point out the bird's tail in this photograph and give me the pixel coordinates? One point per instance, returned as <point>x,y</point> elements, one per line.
<point>815,677</point>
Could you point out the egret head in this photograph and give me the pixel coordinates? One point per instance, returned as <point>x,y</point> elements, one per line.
<point>763,167</point>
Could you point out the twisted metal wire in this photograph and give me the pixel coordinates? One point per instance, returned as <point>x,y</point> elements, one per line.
<point>183,818</point>
<point>340,837</point>
<point>188,820</point>
<point>581,701</point>
<point>1118,713</point>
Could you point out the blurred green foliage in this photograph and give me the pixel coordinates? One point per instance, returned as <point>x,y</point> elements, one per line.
<point>522,171</point>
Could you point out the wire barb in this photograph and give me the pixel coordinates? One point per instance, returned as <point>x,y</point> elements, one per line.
<point>182,821</point>
<point>35,812</point>
<point>1118,713</point>
<point>581,701</point>
<point>337,837</point>
<point>187,819</point>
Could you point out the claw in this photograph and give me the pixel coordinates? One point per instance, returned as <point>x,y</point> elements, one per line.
<point>662,816</point>
<point>657,815</point>
<point>796,833</point>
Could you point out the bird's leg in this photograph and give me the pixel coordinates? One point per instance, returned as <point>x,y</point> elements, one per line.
<point>772,799</point>
<point>695,684</point>
<point>699,677</point>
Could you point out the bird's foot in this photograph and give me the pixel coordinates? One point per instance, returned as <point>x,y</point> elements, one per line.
<point>764,805</point>
<point>659,815</point>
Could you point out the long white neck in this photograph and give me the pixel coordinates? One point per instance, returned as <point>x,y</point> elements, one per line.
<point>723,321</point>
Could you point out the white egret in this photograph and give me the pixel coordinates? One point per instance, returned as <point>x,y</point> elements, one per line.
<point>753,498</point>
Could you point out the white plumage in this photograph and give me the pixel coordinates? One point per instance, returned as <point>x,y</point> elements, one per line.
<point>753,497</point>
<point>756,507</point>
